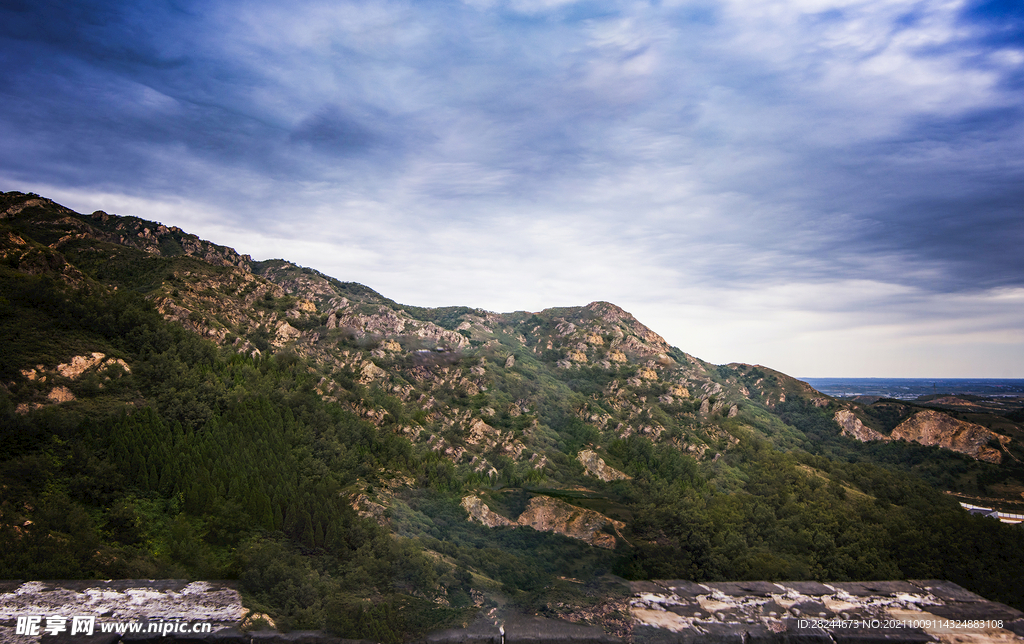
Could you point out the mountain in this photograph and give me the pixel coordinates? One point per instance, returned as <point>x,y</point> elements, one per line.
<point>173,408</point>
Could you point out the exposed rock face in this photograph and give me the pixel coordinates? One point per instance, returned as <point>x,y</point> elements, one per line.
<point>546,514</point>
<point>603,334</point>
<point>33,259</point>
<point>389,323</point>
<point>479,512</point>
<point>551,515</point>
<point>386,322</point>
<point>285,334</point>
<point>13,203</point>
<point>81,364</point>
<point>641,340</point>
<point>646,373</point>
<point>371,372</point>
<point>852,426</point>
<point>60,394</point>
<point>935,428</point>
<point>12,211</point>
<point>480,433</point>
<point>148,237</point>
<point>368,509</point>
<point>78,365</point>
<point>597,468</point>
<point>71,370</point>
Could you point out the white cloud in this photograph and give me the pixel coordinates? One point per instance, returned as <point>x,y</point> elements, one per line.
<point>538,6</point>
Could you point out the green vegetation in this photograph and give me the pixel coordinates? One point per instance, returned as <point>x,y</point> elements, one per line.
<point>800,516</point>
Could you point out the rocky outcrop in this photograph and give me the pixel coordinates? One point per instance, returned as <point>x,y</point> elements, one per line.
<point>285,333</point>
<point>638,338</point>
<point>304,282</point>
<point>107,368</point>
<point>597,468</point>
<point>480,513</point>
<point>935,428</point>
<point>150,237</point>
<point>370,372</point>
<point>13,203</point>
<point>81,364</point>
<point>157,239</point>
<point>551,515</point>
<point>852,426</point>
<point>386,322</point>
<point>546,514</point>
<point>369,509</point>
<point>35,259</point>
<point>60,395</point>
<point>931,427</point>
<point>480,433</point>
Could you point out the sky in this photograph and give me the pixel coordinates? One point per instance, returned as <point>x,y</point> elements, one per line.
<point>825,187</point>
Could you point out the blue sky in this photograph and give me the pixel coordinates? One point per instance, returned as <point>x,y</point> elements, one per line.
<point>826,187</point>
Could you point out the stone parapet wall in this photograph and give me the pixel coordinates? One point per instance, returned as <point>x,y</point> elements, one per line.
<point>677,611</point>
<point>111,602</point>
<point>661,612</point>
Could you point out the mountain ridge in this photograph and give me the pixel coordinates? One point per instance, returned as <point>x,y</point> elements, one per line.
<point>283,309</point>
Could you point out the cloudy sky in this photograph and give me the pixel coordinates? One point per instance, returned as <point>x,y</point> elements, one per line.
<point>826,187</point>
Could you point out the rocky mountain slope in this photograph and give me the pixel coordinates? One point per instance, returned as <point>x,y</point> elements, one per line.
<point>647,388</point>
<point>624,377</point>
<point>298,431</point>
